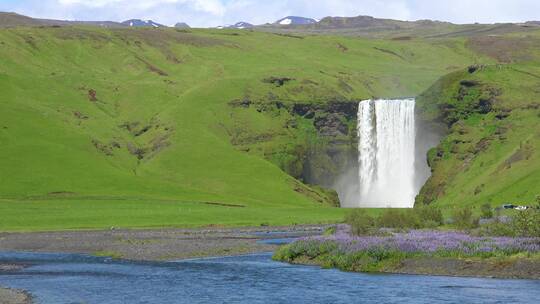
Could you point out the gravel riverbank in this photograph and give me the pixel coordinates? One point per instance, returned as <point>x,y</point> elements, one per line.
<point>14,296</point>
<point>156,244</point>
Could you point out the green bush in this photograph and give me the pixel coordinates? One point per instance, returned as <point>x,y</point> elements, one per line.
<point>419,217</point>
<point>430,224</point>
<point>305,248</point>
<point>396,218</point>
<point>464,219</point>
<point>361,223</point>
<point>487,211</point>
<point>527,223</point>
<point>429,215</point>
<point>522,223</point>
<point>497,228</point>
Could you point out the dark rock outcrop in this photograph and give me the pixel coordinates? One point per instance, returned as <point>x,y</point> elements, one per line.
<point>329,150</point>
<point>92,95</point>
<point>331,125</point>
<point>277,81</point>
<point>106,149</point>
<point>469,83</point>
<point>347,109</point>
<point>335,152</point>
<point>243,102</point>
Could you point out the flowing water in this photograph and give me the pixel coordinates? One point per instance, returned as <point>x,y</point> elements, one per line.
<point>69,279</point>
<point>387,137</point>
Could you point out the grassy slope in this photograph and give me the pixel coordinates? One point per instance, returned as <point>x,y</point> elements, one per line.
<point>488,157</point>
<point>55,171</point>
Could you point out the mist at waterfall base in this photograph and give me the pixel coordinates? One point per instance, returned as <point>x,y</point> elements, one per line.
<point>392,156</point>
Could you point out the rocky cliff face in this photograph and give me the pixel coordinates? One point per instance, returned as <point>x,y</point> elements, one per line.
<point>335,151</point>
<point>317,144</point>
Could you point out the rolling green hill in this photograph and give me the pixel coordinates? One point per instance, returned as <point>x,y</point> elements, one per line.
<point>165,127</point>
<point>493,112</point>
<point>143,127</point>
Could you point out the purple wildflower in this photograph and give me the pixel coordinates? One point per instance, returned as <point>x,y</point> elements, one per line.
<point>423,241</point>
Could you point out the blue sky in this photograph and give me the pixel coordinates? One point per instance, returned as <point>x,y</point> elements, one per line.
<point>205,13</point>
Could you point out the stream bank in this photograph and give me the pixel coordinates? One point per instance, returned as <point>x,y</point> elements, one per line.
<point>14,296</point>
<point>156,244</point>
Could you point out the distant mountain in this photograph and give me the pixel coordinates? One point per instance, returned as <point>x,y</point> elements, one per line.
<point>238,25</point>
<point>362,22</point>
<point>241,25</point>
<point>378,24</point>
<point>367,26</point>
<point>359,26</point>
<point>141,23</point>
<point>295,20</point>
<point>181,25</point>
<point>97,23</point>
<point>14,19</point>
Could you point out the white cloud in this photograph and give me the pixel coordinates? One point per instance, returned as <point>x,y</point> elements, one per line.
<point>216,12</point>
<point>214,7</point>
<point>92,3</point>
<point>209,6</point>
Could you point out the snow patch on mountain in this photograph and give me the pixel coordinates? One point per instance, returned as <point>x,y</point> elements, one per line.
<point>142,23</point>
<point>295,20</point>
<point>285,21</point>
<point>239,25</point>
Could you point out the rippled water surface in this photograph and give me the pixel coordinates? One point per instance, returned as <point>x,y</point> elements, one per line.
<point>64,278</point>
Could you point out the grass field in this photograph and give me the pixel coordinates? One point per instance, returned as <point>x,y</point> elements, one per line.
<point>135,128</point>
<point>75,214</point>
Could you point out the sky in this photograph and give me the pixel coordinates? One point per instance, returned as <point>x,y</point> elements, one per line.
<point>209,13</point>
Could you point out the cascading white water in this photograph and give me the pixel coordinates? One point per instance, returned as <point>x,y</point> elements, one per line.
<point>386,130</point>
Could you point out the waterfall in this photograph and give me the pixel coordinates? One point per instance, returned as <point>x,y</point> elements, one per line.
<point>386,146</point>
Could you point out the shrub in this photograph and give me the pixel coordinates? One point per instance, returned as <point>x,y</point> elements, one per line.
<point>520,224</point>
<point>360,221</point>
<point>429,215</point>
<point>497,228</point>
<point>430,224</point>
<point>419,217</point>
<point>526,223</point>
<point>395,218</point>
<point>486,210</point>
<point>463,218</point>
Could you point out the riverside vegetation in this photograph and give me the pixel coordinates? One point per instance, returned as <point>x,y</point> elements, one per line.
<point>396,238</point>
<point>120,127</point>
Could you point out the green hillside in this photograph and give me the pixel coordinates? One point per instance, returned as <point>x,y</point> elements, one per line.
<point>493,114</point>
<point>146,127</point>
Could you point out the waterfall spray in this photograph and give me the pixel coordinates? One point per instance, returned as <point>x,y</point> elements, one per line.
<point>386,130</point>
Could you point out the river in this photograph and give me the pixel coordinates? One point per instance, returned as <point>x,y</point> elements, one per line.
<point>72,278</point>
